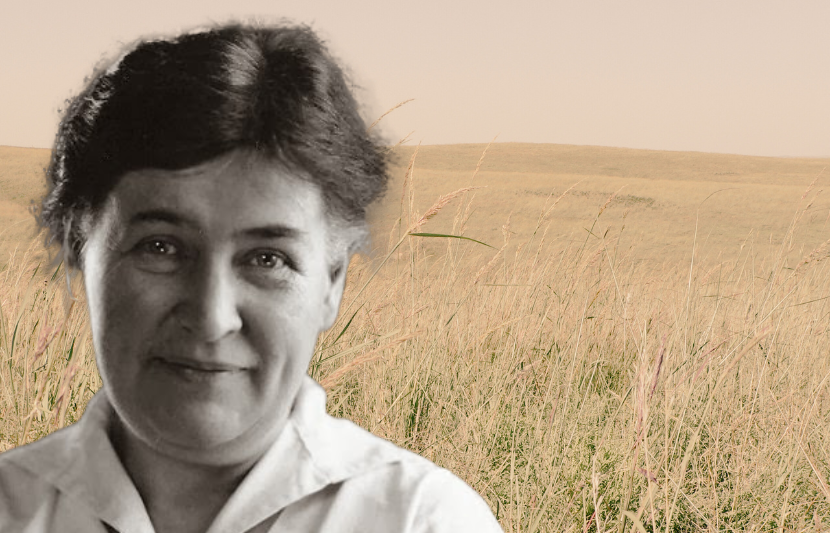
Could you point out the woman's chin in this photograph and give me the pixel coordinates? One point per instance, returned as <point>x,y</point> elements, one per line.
<point>203,427</point>
<point>202,433</point>
<point>218,427</point>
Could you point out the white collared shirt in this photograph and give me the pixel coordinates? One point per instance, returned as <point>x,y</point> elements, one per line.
<point>322,474</point>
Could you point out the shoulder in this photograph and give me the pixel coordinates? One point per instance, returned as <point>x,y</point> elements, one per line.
<point>44,458</point>
<point>26,473</point>
<point>343,450</point>
<point>428,498</point>
<point>397,486</point>
<point>339,448</point>
<point>370,480</point>
<point>449,504</point>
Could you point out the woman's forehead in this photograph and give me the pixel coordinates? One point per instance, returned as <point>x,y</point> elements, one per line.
<point>239,162</point>
<point>228,192</point>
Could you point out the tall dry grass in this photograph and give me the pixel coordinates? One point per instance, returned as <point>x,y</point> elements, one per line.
<point>47,365</point>
<point>573,388</point>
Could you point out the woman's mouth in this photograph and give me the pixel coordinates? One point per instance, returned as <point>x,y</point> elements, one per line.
<point>197,370</point>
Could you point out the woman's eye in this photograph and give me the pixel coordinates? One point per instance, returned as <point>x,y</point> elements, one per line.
<point>267,260</point>
<point>158,247</point>
<point>159,255</point>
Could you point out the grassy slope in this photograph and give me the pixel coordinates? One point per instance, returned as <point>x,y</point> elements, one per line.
<point>659,194</point>
<point>21,186</point>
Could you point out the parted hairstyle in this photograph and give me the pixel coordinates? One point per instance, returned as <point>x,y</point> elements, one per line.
<point>274,91</point>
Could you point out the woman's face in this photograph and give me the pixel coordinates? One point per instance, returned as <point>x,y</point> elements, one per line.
<point>207,290</point>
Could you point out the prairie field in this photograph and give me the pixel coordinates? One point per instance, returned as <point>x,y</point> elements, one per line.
<point>624,340</point>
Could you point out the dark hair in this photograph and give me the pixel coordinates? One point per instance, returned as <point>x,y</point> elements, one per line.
<point>173,104</point>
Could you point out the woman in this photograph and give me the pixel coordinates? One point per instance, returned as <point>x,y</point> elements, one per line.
<point>212,189</point>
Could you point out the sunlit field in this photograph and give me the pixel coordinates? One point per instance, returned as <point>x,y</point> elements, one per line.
<point>578,379</point>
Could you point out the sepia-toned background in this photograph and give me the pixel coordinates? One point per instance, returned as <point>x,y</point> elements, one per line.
<point>613,318</point>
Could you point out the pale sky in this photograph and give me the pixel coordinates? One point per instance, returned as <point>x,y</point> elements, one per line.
<point>746,77</point>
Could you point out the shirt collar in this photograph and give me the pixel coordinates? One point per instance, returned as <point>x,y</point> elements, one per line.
<point>81,462</point>
<point>314,450</point>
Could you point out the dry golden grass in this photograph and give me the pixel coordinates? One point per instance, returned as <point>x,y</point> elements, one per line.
<point>21,186</point>
<point>573,383</point>
<point>660,195</point>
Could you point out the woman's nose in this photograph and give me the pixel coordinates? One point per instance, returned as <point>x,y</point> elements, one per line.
<point>210,308</point>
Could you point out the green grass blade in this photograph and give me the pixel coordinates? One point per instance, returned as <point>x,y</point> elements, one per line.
<point>11,365</point>
<point>57,269</point>
<point>443,235</point>
<point>71,351</point>
<point>349,323</point>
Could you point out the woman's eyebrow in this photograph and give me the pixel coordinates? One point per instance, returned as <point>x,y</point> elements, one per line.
<point>270,231</point>
<point>160,215</point>
<point>274,231</point>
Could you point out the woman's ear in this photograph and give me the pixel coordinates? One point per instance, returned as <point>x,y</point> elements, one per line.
<point>344,240</point>
<point>334,294</point>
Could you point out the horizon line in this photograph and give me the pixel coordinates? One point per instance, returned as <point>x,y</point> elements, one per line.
<point>548,144</point>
